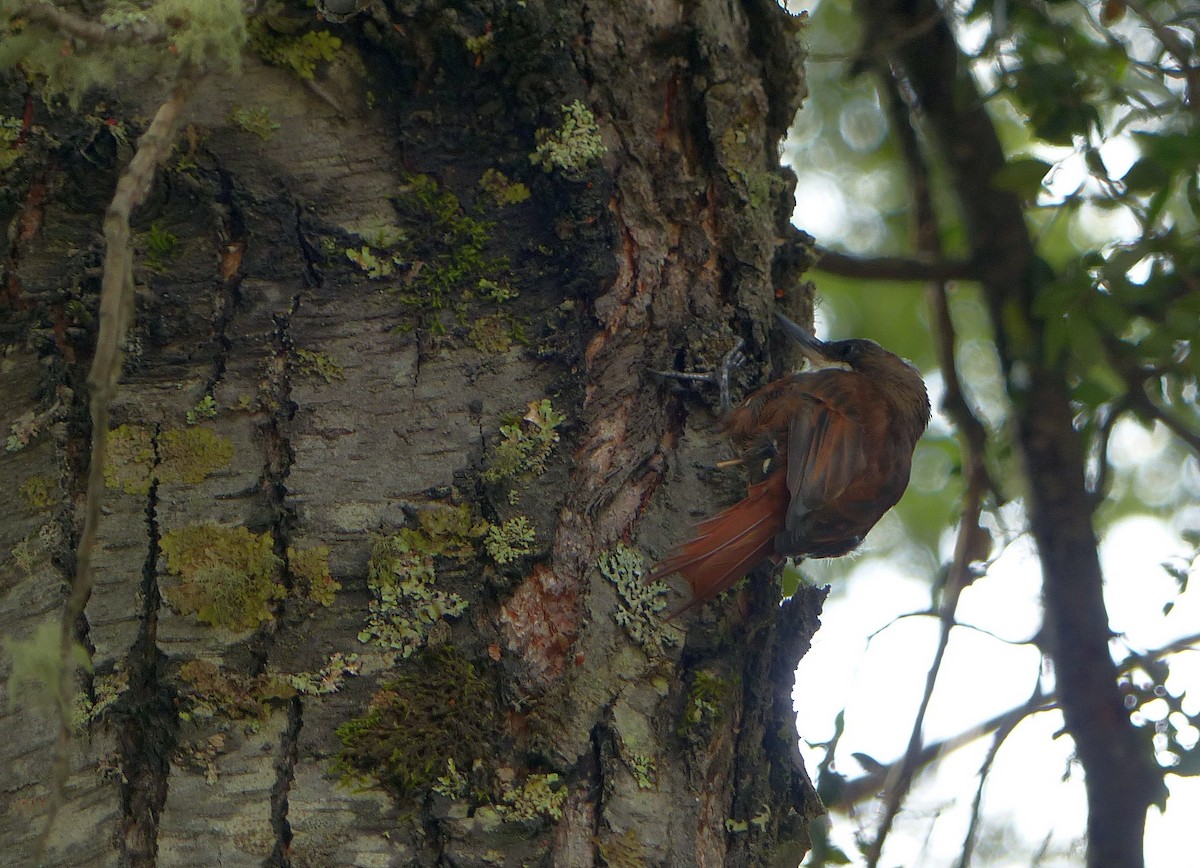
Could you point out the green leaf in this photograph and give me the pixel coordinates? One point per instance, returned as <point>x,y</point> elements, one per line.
<point>1023,175</point>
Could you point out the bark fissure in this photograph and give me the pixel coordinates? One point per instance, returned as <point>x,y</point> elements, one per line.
<point>285,775</point>
<point>145,716</point>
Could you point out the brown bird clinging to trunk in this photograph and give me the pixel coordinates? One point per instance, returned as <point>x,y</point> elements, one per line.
<point>836,442</point>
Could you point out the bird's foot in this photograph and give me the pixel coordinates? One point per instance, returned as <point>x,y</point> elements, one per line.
<point>718,377</point>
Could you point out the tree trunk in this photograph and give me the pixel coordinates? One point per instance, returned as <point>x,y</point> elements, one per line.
<point>329,369</point>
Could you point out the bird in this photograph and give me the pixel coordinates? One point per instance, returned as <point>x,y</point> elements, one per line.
<point>834,443</point>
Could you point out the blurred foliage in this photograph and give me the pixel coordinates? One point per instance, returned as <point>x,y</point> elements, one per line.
<point>1097,106</point>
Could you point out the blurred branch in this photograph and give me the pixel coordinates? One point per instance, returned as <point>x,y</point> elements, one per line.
<point>973,436</point>
<point>856,790</point>
<point>1120,776</point>
<point>1175,46</point>
<point>1135,376</point>
<point>892,267</point>
<point>116,313</point>
<point>144,31</point>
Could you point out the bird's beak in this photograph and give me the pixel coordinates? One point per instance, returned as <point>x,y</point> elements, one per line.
<point>814,350</point>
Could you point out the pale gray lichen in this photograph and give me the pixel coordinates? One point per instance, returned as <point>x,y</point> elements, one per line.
<point>641,601</point>
<point>508,541</point>
<point>402,572</point>
<point>573,146</point>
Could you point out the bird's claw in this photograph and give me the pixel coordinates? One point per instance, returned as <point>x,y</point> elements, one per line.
<point>718,377</point>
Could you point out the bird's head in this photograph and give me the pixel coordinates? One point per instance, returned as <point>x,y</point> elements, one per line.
<point>897,378</point>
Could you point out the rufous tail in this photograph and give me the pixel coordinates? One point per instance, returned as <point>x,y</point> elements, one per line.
<point>731,543</point>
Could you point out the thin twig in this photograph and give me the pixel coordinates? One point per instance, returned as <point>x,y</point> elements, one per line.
<point>116,313</point>
<point>892,267</point>
<point>1002,733</point>
<point>856,790</point>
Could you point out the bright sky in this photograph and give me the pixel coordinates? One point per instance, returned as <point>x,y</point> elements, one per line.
<point>880,683</point>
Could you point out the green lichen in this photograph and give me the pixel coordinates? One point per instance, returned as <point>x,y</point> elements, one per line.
<point>106,690</point>
<point>481,46</point>
<point>626,851</point>
<point>129,459</point>
<point>310,363</point>
<point>328,679</point>
<point>571,148</point>
<point>437,711</point>
<point>206,408</point>
<point>207,690</point>
<point>525,443</point>
<point>185,455</point>
<point>402,573</point>
<point>641,602</point>
<point>495,333</point>
<point>310,567</point>
<point>191,455</point>
<point>37,492</point>
<point>644,770</point>
<point>511,540</point>
<point>453,784</point>
<point>300,54</point>
<point>496,292</point>
<point>705,705</point>
<point>505,192</point>
<point>376,267</point>
<point>228,576</point>
<point>536,798</point>
<point>256,121</point>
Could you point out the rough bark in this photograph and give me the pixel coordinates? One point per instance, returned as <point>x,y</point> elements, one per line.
<point>350,412</point>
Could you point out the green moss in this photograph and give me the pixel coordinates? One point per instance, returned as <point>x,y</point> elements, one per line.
<point>300,54</point>
<point>38,492</point>
<point>319,364</point>
<point>505,192</point>
<point>160,246</point>
<point>525,444</point>
<point>402,573</point>
<point>439,710</point>
<point>451,247</point>
<point>255,121</point>
<point>641,602</point>
<point>10,134</point>
<point>538,797</point>
<point>310,566</point>
<point>228,577</point>
<point>574,146</point>
<point>511,540</point>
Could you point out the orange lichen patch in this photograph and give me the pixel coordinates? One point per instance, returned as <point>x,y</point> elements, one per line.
<point>541,620</point>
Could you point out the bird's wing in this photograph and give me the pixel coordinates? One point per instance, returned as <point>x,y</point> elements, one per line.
<point>825,448</point>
